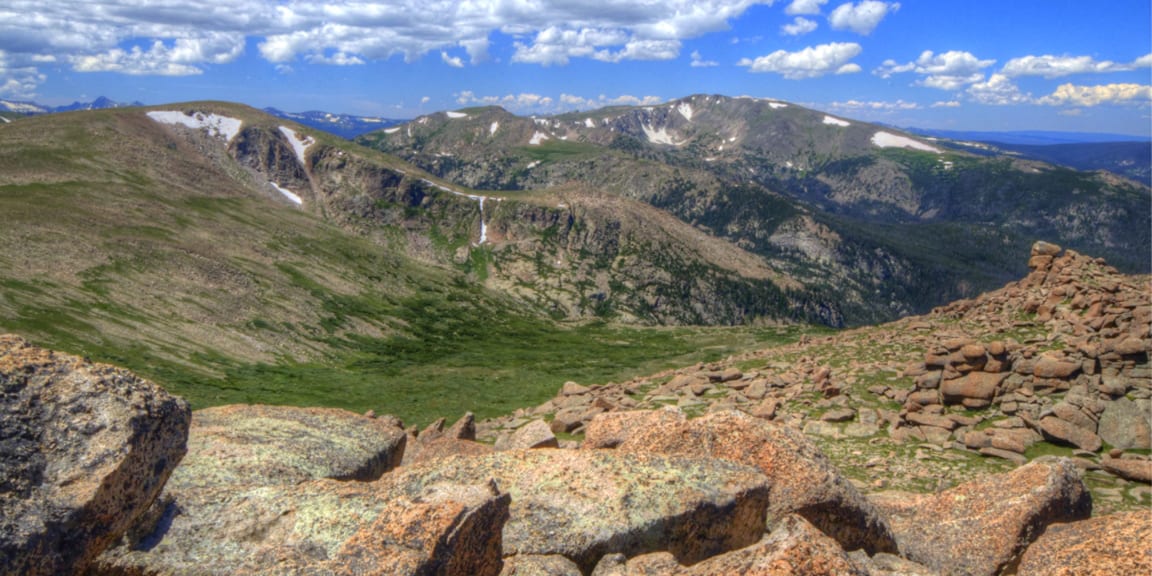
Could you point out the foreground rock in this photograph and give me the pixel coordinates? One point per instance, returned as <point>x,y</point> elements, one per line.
<point>323,527</point>
<point>803,479</point>
<point>246,483</point>
<point>584,505</point>
<point>980,527</point>
<point>84,449</point>
<point>247,445</point>
<point>1113,544</point>
<point>793,547</point>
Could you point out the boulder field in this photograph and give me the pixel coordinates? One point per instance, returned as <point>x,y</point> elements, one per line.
<point>787,462</point>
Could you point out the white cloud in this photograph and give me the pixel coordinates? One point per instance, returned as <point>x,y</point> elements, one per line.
<point>19,82</point>
<point>799,27</point>
<point>337,59</point>
<point>522,101</point>
<point>1050,66</point>
<point>861,18</point>
<point>1072,95</point>
<point>946,104</point>
<point>998,90</point>
<point>172,37</point>
<point>425,100</point>
<point>805,6</point>
<point>875,106</point>
<point>536,103</point>
<point>810,62</point>
<point>947,71</point>
<point>453,61</point>
<point>698,61</point>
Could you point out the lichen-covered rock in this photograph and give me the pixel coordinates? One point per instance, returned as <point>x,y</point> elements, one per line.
<point>804,481</point>
<point>417,451</point>
<point>248,445</point>
<point>979,527</point>
<point>611,429</point>
<point>1127,424</point>
<point>533,565</point>
<point>325,527</point>
<point>535,434</point>
<point>1135,470</point>
<point>84,450</point>
<point>1104,546</point>
<point>793,547</point>
<point>586,504</point>
<point>233,489</point>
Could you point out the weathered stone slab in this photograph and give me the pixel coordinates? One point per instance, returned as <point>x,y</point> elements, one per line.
<point>84,450</point>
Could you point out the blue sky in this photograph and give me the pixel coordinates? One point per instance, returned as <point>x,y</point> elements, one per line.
<point>972,65</point>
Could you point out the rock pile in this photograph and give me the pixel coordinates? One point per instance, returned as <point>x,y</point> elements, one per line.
<point>1058,359</point>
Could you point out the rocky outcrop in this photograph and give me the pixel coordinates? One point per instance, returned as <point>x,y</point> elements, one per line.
<point>793,547</point>
<point>255,445</point>
<point>981,527</point>
<point>251,483</point>
<point>586,504</point>
<point>84,450</point>
<point>803,481</point>
<point>1107,545</point>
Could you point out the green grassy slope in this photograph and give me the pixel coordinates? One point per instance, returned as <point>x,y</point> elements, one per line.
<point>129,243</point>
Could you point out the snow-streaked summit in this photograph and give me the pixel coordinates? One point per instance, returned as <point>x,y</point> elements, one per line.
<point>223,127</point>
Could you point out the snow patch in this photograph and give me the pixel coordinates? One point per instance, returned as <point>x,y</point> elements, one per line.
<point>732,139</point>
<point>493,128</point>
<point>6,121</point>
<point>685,110</point>
<point>775,105</point>
<point>299,143</point>
<point>456,114</point>
<point>532,165</point>
<point>288,194</point>
<point>660,136</point>
<point>391,130</point>
<point>836,121</point>
<point>221,127</point>
<point>537,138</point>
<point>589,123</point>
<point>541,121</point>
<point>889,140</point>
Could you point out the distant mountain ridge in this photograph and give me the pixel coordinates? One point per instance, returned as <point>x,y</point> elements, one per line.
<point>879,221</point>
<point>24,107</point>
<point>346,126</point>
<point>1028,137</point>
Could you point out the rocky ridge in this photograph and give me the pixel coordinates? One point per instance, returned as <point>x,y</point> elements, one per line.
<point>1054,363</point>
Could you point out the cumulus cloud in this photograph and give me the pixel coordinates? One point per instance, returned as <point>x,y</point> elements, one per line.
<point>998,90</point>
<point>698,61</point>
<point>523,100</point>
<point>805,6</point>
<point>179,37</point>
<point>1087,96</point>
<point>576,102</point>
<point>181,58</point>
<point>874,105</point>
<point>1050,66</point>
<point>811,62</point>
<point>946,104</point>
<point>16,81</point>
<point>947,71</point>
<point>453,61</point>
<point>861,18</point>
<point>799,27</point>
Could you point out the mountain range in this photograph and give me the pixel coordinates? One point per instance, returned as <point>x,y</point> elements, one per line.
<point>233,254</point>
